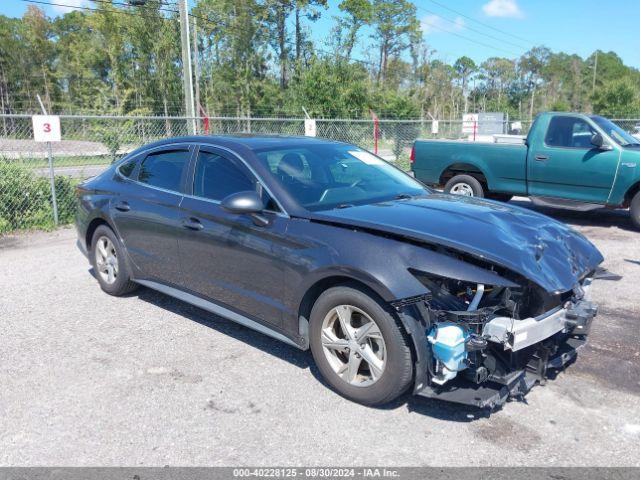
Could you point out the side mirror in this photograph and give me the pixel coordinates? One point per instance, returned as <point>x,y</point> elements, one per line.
<point>247,202</point>
<point>598,142</point>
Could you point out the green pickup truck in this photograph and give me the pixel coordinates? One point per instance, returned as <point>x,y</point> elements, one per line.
<point>568,160</point>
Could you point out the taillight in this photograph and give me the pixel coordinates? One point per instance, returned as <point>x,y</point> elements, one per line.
<point>412,157</point>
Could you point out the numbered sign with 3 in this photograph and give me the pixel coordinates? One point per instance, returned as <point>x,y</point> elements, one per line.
<point>46,128</point>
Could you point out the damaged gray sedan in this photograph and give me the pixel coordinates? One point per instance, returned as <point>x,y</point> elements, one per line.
<point>325,246</point>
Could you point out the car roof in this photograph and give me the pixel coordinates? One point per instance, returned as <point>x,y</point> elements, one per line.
<point>250,141</point>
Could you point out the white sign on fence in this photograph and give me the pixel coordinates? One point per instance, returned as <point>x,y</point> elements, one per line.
<point>46,128</point>
<point>469,122</point>
<point>434,127</point>
<point>310,127</point>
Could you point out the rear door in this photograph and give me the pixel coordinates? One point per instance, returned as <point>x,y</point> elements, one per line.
<point>562,163</point>
<point>146,213</point>
<point>226,257</point>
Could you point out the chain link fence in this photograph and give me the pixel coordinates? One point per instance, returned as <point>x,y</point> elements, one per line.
<point>90,143</point>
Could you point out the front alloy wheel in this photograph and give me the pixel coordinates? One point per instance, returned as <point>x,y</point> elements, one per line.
<point>358,345</point>
<point>353,345</point>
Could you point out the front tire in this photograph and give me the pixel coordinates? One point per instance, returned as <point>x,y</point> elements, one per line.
<point>634,210</point>
<point>108,260</point>
<point>359,346</point>
<point>464,185</point>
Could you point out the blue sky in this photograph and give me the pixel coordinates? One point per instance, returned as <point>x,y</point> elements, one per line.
<point>573,26</point>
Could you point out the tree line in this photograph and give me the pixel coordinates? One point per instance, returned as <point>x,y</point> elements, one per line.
<point>258,58</point>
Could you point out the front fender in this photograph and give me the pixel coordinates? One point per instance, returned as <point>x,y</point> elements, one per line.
<point>384,264</point>
<point>627,177</point>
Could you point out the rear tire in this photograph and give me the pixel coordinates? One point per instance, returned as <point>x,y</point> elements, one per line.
<point>371,363</point>
<point>634,210</point>
<point>108,260</point>
<point>464,185</point>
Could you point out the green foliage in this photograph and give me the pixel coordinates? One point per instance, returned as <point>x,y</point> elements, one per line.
<point>331,90</point>
<point>257,58</point>
<point>25,199</point>
<point>618,98</point>
<point>403,134</point>
<point>110,138</point>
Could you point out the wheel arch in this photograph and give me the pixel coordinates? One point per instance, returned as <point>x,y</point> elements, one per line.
<point>461,168</point>
<point>631,192</point>
<point>93,226</point>
<point>311,293</point>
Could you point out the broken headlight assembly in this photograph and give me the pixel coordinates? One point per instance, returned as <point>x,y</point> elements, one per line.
<point>459,310</point>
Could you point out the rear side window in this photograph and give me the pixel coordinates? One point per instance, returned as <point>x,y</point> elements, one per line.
<point>568,132</point>
<point>217,177</point>
<point>127,168</point>
<point>164,169</point>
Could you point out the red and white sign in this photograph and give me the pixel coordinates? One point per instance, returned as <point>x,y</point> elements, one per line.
<point>470,123</point>
<point>310,127</point>
<point>46,128</point>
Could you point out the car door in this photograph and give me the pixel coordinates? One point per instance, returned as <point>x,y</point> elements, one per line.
<point>226,257</point>
<point>146,212</point>
<point>565,165</point>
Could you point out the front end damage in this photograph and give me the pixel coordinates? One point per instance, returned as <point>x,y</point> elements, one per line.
<point>482,345</point>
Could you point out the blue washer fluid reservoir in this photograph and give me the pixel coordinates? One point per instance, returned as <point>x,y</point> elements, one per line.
<point>448,346</point>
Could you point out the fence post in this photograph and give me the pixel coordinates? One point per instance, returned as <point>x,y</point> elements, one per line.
<point>376,131</point>
<point>52,180</point>
<point>52,177</point>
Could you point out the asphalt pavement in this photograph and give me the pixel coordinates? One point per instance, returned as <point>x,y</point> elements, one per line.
<point>87,379</point>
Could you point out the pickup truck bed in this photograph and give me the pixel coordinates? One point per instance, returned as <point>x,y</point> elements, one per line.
<point>504,166</point>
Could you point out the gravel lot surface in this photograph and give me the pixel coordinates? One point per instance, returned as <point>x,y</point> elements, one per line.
<point>88,379</point>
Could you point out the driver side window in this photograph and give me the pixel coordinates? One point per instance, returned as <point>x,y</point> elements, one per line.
<point>568,132</point>
<point>217,177</point>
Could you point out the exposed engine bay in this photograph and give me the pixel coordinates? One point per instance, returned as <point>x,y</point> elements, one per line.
<point>488,343</point>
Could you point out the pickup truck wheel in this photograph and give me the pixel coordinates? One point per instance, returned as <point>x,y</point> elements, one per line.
<point>359,347</point>
<point>464,185</point>
<point>634,210</point>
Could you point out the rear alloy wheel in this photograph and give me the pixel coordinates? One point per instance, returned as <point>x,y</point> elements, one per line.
<point>107,259</point>
<point>359,347</point>
<point>634,210</point>
<point>464,185</point>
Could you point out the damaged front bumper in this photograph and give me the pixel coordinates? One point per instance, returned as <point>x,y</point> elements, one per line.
<point>519,353</point>
<point>518,334</point>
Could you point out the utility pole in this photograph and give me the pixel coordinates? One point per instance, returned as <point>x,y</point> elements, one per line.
<point>196,66</point>
<point>595,72</point>
<point>187,75</point>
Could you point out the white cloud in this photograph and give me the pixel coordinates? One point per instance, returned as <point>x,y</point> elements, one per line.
<point>502,8</point>
<point>435,24</point>
<point>73,5</point>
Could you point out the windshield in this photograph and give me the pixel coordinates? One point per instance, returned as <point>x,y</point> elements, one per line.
<point>620,136</point>
<point>326,176</point>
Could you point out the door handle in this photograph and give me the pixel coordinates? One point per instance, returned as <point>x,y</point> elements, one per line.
<point>123,206</point>
<point>192,223</point>
<point>542,158</point>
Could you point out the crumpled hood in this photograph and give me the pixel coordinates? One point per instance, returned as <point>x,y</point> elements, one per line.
<point>547,252</point>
